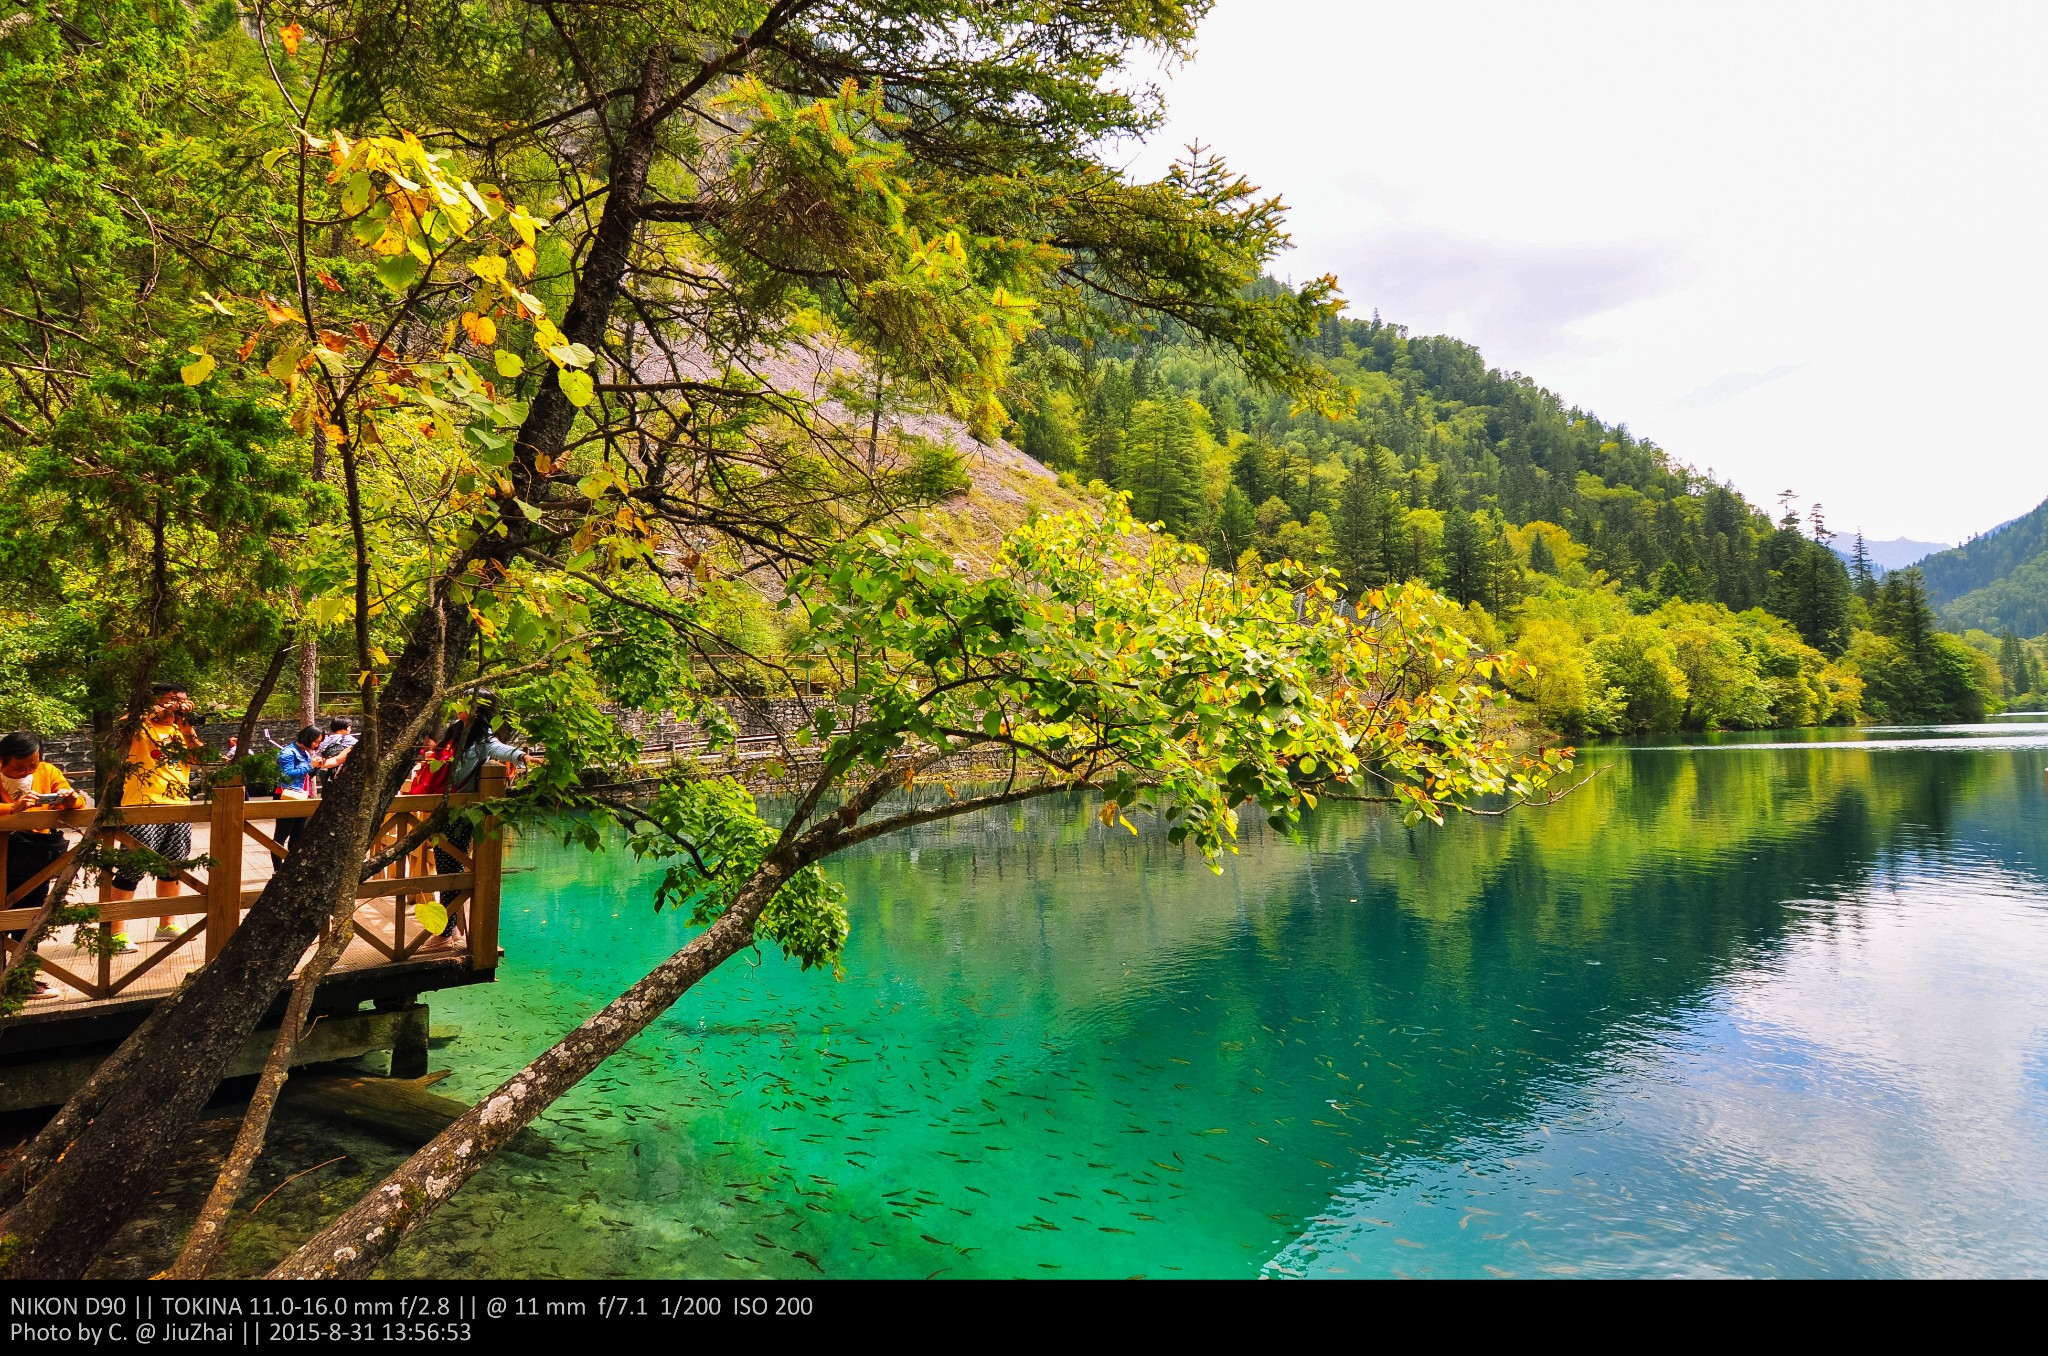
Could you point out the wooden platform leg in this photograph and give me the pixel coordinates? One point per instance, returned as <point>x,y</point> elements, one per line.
<point>409,1043</point>
<point>487,858</point>
<point>224,881</point>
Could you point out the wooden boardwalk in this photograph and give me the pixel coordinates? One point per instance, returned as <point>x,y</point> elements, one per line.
<point>100,995</point>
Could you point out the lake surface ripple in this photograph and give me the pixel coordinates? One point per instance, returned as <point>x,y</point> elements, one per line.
<point>1762,1007</point>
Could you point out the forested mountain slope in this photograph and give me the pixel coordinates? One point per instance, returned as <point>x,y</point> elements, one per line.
<point>1999,581</point>
<point>1654,596</point>
<point>1433,431</point>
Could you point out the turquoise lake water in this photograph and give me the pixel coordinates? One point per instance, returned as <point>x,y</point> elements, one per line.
<point>1757,1006</point>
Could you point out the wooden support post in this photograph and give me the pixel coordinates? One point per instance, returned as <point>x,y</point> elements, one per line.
<point>487,853</point>
<point>409,1042</point>
<point>224,880</point>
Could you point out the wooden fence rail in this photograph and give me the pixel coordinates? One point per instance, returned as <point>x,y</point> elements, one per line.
<point>384,900</point>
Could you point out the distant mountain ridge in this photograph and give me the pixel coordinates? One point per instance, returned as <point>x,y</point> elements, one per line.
<point>1894,554</point>
<point>1996,581</point>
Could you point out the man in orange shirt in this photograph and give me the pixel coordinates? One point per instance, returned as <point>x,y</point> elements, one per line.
<point>160,762</point>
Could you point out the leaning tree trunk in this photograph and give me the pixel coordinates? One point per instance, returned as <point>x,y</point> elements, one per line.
<point>210,1233</point>
<point>352,1246</point>
<point>84,1177</point>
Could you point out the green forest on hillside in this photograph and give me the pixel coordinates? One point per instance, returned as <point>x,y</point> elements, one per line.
<point>1648,596</point>
<point>1998,583</point>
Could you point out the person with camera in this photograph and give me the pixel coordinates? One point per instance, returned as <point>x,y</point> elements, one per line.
<point>297,764</point>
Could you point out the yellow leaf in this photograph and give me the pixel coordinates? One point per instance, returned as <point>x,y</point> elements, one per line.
<point>286,360</point>
<point>476,199</point>
<point>481,329</point>
<point>430,914</point>
<point>489,267</point>
<point>509,364</point>
<point>523,224</point>
<point>198,370</point>
<point>578,386</point>
<point>291,35</point>
<point>524,257</point>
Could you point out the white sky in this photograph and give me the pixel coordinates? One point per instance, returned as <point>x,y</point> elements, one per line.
<point>1799,244</point>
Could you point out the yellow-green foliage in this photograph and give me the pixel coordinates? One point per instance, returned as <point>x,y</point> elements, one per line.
<point>1599,668</point>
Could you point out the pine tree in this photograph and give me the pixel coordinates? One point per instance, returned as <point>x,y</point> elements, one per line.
<point>1161,466</point>
<point>1860,573</point>
<point>1361,538</point>
<point>1670,581</point>
<point>1505,582</point>
<point>1542,560</point>
<point>1904,614</point>
<point>1235,526</point>
<point>2012,662</point>
<point>1464,556</point>
<point>1253,472</point>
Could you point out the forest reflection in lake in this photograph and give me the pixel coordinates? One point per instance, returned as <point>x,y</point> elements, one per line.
<point>1752,1008</point>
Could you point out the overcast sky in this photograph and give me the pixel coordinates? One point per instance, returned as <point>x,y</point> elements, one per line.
<point>1799,244</point>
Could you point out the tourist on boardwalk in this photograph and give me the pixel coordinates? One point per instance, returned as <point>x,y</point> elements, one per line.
<point>29,783</point>
<point>333,750</point>
<point>466,746</point>
<point>160,761</point>
<point>433,762</point>
<point>296,766</point>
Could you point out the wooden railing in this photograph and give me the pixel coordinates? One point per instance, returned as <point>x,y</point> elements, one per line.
<point>383,910</point>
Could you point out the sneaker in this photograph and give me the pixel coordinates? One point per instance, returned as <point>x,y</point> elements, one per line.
<point>121,944</point>
<point>168,932</point>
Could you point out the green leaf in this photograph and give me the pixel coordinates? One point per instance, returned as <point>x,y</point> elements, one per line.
<point>578,386</point>
<point>356,193</point>
<point>399,272</point>
<point>509,364</point>
<point>286,360</point>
